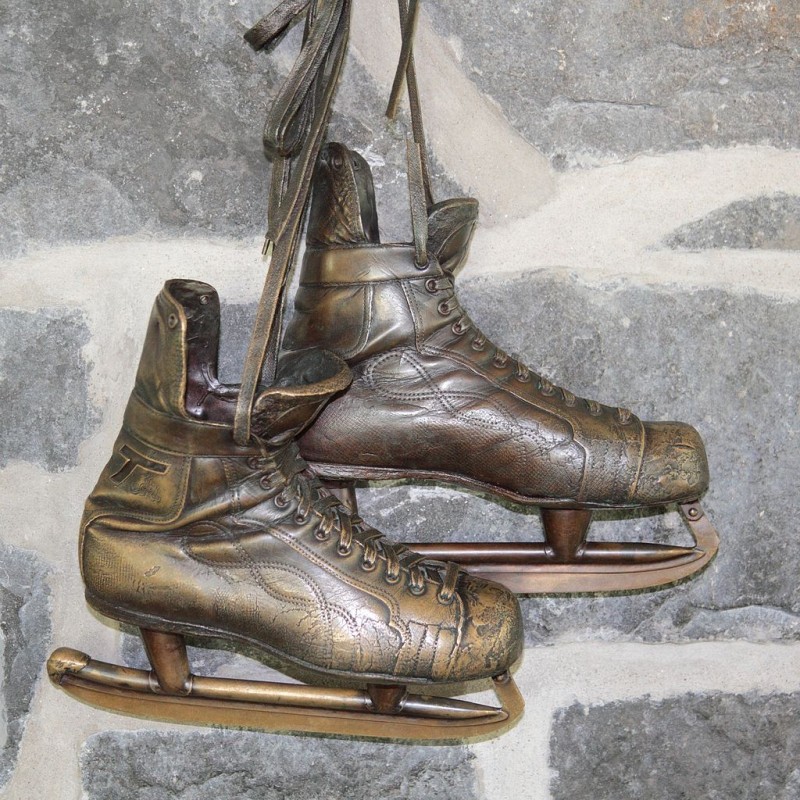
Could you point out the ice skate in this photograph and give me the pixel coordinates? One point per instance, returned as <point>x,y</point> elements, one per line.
<point>188,533</point>
<point>433,399</point>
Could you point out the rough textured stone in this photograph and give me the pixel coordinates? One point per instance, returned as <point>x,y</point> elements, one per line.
<point>24,638</point>
<point>649,349</point>
<point>135,117</point>
<point>243,766</point>
<point>587,82</point>
<point>44,387</point>
<point>718,747</point>
<point>764,223</point>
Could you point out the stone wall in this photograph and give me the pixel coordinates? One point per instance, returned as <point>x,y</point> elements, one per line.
<point>638,172</point>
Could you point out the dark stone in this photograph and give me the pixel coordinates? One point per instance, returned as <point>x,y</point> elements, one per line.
<point>24,640</point>
<point>44,387</point>
<point>245,766</point>
<point>611,79</point>
<point>769,222</point>
<point>131,117</point>
<point>718,747</point>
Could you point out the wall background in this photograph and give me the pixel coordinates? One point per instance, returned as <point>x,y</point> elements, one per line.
<point>638,172</point>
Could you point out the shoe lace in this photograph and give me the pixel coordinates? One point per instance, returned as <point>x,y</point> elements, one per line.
<point>450,305</point>
<point>287,477</point>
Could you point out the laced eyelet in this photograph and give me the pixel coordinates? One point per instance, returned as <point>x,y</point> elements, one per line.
<point>624,416</point>
<point>321,535</point>
<point>523,378</point>
<point>444,308</point>
<point>300,519</point>
<point>478,345</point>
<point>417,591</point>
<point>344,551</point>
<point>422,267</point>
<point>280,501</point>
<point>368,566</point>
<point>265,482</point>
<point>445,600</point>
<point>431,285</point>
<point>594,408</point>
<point>500,362</point>
<point>392,579</point>
<point>253,462</point>
<point>547,389</point>
<point>457,329</point>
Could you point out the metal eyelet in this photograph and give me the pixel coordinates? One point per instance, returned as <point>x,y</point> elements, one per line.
<point>479,346</point>
<point>301,519</point>
<point>172,320</point>
<point>368,566</point>
<point>417,591</point>
<point>457,329</point>
<point>445,601</point>
<point>523,378</point>
<point>321,535</point>
<point>431,285</point>
<point>266,483</point>
<point>392,579</point>
<point>344,551</point>
<point>444,308</point>
<point>594,408</point>
<point>253,462</point>
<point>422,267</point>
<point>500,363</point>
<point>280,501</point>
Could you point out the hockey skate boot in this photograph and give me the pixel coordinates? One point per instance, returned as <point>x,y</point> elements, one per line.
<point>433,399</point>
<point>188,533</point>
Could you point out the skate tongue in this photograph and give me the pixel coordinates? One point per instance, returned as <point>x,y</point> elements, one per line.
<point>305,381</point>
<point>451,224</point>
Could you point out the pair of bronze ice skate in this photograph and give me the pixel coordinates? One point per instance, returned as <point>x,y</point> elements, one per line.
<point>208,521</point>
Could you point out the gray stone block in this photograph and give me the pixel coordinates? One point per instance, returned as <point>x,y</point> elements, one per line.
<point>244,766</point>
<point>715,747</point>
<point>24,639</point>
<point>607,80</point>
<point>44,387</point>
<point>130,116</point>
<point>769,222</point>
<point>723,362</point>
<point>142,117</point>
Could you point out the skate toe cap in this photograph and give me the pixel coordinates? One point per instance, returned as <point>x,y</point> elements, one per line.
<point>492,633</point>
<point>674,465</point>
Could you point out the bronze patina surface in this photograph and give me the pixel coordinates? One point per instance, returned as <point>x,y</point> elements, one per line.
<point>433,399</point>
<point>187,532</point>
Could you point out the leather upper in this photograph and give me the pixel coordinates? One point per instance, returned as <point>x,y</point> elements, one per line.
<point>431,394</point>
<point>188,532</point>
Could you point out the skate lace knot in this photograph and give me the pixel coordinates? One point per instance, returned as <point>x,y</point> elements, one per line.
<point>450,305</point>
<point>289,479</point>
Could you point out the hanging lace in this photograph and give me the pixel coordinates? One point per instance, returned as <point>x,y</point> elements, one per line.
<point>293,136</point>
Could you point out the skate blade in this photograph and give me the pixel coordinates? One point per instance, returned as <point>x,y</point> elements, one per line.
<point>279,707</point>
<point>529,568</point>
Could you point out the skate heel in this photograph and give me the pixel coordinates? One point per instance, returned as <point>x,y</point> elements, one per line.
<point>167,655</point>
<point>565,531</point>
